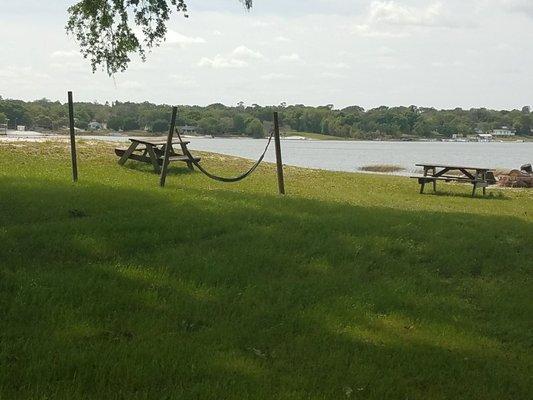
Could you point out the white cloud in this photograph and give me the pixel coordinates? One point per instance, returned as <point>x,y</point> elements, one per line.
<point>238,58</point>
<point>219,61</point>
<point>261,24</point>
<point>332,75</point>
<point>392,12</point>
<point>243,52</point>
<point>447,64</point>
<point>183,81</point>
<point>366,30</point>
<point>26,73</point>
<point>282,39</point>
<point>390,19</point>
<point>62,54</point>
<point>336,65</point>
<point>294,57</point>
<point>131,85</point>
<point>176,38</point>
<point>275,76</point>
<point>521,6</point>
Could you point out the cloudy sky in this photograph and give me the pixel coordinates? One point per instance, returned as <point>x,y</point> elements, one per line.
<point>445,54</point>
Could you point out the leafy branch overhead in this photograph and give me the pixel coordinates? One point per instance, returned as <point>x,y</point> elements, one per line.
<point>111,31</point>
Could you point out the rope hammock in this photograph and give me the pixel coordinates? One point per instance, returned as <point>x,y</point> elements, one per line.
<point>224,179</point>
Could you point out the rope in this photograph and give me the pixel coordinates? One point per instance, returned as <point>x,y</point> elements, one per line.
<point>223,179</point>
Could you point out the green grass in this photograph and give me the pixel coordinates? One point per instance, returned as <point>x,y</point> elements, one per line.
<point>352,286</point>
<point>311,135</point>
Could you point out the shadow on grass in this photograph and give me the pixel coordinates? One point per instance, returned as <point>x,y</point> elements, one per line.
<point>173,169</point>
<point>217,294</point>
<point>489,196</point>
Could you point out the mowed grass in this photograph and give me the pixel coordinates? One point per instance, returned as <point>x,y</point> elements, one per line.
<point>312,135</point>
<point>352,286</point>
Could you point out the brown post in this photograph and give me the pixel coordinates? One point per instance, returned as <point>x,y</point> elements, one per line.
<point>168,147</point>
<point>279,163</point>
<point>72,138</point>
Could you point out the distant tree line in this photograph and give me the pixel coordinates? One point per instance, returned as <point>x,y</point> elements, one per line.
<point>218,119</point>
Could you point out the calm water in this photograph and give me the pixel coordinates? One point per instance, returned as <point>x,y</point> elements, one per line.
<point>351,155</point>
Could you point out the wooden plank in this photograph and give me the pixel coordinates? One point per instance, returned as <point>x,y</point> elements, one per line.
<point>141,158</point>
<point>182,158</point>
<point>156,141</point>
<point>153,158</point>
<point>120,151</point>
<point>279,163</point>
<point>73,155</point>
<point>168,147</point>
<point>128,153</point>
<point>453,167</point>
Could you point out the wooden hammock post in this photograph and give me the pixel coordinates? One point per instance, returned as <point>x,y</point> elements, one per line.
<point>72,138</point>
<point>279,163</point>
<point>164,167</point>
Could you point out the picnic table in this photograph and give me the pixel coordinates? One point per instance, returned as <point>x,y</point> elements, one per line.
<point>479,177</point>
<point>152,150</point>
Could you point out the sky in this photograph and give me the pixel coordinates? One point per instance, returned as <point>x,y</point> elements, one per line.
<point>443,54</point>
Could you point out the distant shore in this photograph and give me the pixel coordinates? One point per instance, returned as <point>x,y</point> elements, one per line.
<point>289,135</point>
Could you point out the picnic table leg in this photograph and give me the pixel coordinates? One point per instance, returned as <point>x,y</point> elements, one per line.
<point>153,158</point>
<point>128,153</point>
<point>184,151</point>
<point>434,181</point>
<point>474,190</point>
<point>423,182</point>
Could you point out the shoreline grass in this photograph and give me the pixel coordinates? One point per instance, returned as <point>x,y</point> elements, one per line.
<point>382,168</point>
<point>311,135</point>
<point>352,286</point>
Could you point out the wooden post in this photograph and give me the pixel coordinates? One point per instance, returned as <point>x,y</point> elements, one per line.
<point>279,163</point>
<point>168,147</point>
<point>72,138</point>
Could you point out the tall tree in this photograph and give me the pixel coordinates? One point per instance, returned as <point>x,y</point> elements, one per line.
<point>111,31</point>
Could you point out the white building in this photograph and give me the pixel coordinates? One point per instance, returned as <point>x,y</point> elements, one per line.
<point>503,131</point>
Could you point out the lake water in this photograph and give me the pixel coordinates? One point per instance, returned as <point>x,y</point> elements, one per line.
<point>352,155</point>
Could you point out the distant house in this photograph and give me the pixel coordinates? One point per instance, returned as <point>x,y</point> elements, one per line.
<point>503,131</point>
<point>187,129</point>
<point>94,126</point>
<point>21,127</point>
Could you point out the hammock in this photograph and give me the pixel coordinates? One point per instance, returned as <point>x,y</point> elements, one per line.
<point>224,179</point>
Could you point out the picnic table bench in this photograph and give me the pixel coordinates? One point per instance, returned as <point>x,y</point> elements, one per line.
<point>479,177</point>
<point>152,150</point>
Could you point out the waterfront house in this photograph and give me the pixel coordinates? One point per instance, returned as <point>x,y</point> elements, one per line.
<point>503,131</point>
<point>188,130</point>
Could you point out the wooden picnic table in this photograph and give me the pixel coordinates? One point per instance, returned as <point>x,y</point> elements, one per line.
<point>479,177</point>
<point>152,150</point>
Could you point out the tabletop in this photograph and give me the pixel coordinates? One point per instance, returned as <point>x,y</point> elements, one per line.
<point>155,141</point>
<point>452,167</point>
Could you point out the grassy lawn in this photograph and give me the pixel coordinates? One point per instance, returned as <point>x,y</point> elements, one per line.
<point>311,135</point>
<point>353,286</point>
